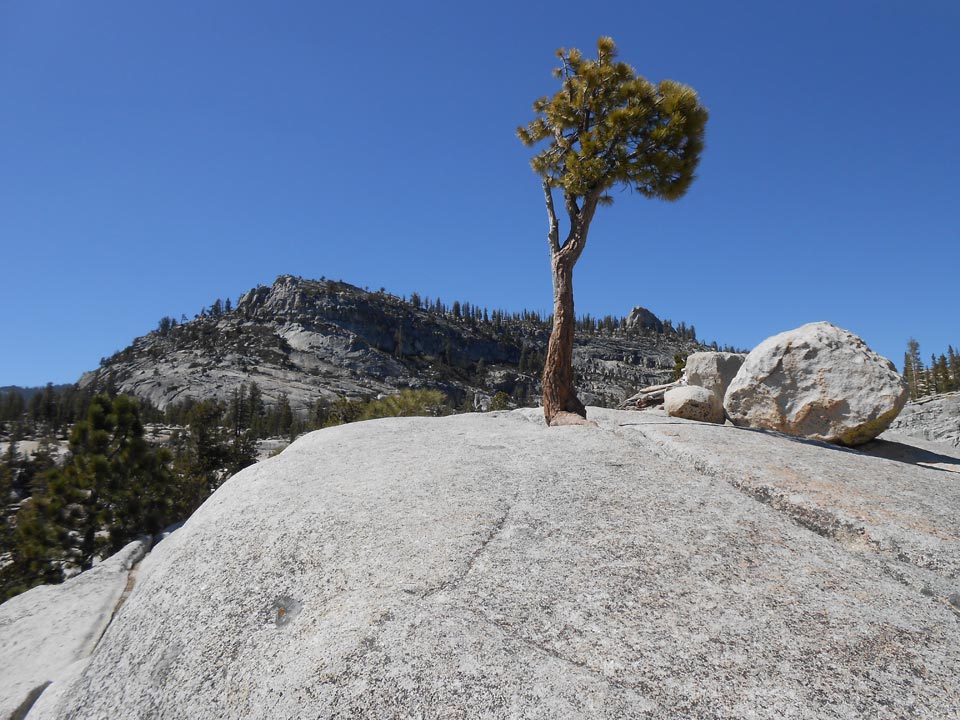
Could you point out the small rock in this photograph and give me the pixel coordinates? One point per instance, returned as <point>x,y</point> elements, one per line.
<point>693,402</point>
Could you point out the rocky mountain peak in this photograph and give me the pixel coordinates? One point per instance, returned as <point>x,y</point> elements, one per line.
<point>643,319</point>
<point>287,295</point>
<point>322,339</point>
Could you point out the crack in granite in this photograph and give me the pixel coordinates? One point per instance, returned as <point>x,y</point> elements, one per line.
<point>510,632</point>
<point>495,530</point>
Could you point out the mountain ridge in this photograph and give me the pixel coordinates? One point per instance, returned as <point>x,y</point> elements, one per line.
<point>322,339</point>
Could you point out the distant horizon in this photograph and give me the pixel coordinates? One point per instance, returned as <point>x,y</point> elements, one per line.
<point>156,157</point>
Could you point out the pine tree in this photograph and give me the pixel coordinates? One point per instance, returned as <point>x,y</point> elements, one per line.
<point>953,363</point>
<point>256,410</point>
<point>214,451</point>
<point>32,474</point>
<point>113,487</point>
<point>207,454</point>
<point>6,494</point>
<point>941,373</point>
<point>239,413</point>
<point>913,369</point>
<point>284,416</point>
<point>605,127</point>
<point>12,406</point>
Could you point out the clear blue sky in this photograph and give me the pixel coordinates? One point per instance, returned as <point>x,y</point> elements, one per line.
<point>156,156</point>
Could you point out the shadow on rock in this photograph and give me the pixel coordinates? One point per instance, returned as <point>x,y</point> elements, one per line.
<point>901,452</point>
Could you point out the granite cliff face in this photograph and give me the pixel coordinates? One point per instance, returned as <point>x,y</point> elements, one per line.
<point>325,339</point>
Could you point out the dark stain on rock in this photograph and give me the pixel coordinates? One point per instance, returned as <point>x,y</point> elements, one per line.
<point>284,610</point>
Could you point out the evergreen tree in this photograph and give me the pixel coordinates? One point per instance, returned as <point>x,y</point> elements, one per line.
<point>913,369</point>
<point>606,126</point>
<point>941,374</point>
<point>284,416</point>
<point>239,410</point>
<point>207,457</point>
<point>953,363</point>
<point>113,487</point>
<point>32,475</point>
<point>256,409</point>
<point>12,406</point>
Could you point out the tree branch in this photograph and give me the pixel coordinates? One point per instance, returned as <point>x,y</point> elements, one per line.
<point>579,224</point>
<point>590,203</point>
<point>573,211</point>
<point>553,236</point>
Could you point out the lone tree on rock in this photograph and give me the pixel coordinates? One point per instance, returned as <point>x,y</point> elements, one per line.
<point>606,126</point>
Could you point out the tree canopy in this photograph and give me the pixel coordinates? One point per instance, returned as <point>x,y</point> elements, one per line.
<point>608,126</point>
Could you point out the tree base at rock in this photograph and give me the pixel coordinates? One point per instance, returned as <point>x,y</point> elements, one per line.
<point>569,418</point>
<point>559,393</point>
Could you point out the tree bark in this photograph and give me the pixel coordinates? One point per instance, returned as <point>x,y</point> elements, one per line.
<point>559,393</point>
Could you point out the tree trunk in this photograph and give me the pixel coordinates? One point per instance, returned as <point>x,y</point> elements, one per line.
<point>559,394</point>
<point>560,403</point>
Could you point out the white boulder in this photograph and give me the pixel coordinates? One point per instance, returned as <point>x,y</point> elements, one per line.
<point>693,402</point>
<point>713,370</point>
<point>819,382</point>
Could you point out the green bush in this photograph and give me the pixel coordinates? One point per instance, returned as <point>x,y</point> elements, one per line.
<point>500,401</point>
<point>406,403</point>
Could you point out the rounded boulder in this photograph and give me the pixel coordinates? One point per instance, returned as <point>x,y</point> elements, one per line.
<point>693,402</point>
<point>818,381</point>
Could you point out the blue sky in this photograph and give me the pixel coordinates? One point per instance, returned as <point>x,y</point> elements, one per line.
<point>156,156</point>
